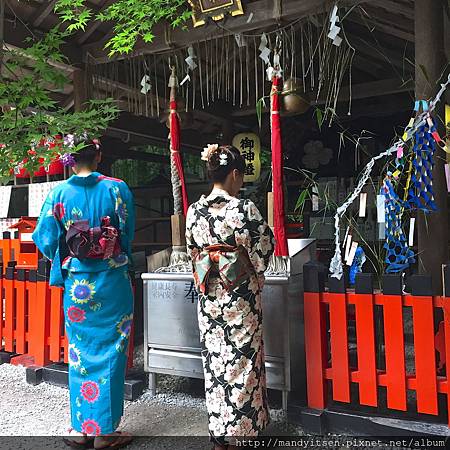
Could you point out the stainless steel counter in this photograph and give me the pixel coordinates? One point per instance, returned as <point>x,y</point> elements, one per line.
<point>171,334</point>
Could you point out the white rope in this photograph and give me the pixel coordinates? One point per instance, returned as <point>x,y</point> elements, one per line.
<point>278,266</point>
<point>336,267</point>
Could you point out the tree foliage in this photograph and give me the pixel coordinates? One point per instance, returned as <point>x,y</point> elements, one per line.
<point>29,118</point>
<point>133,19</point>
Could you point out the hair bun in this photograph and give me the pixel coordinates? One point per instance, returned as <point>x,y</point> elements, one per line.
<point>222,160</point>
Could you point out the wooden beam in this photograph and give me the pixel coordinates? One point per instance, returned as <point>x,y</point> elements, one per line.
<point>201,115</point>
<point>16,34</point>
<point>126,153</point>
<point>368,66</point>
<point>377,26</point>
<point>386,56</point>
<point>388,18</point>
<point>79,90</point>
<point>23,71</point>
<point>261,12</point>
<point>43,12</point>
<point>93,25</point>
<point>395,7</point>
<point>390,105</point>
<point>375,89</point>
<point>359,91</point>
<point>127,138</point>
<point>69,103</point>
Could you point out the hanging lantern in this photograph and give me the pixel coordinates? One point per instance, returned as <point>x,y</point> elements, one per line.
<point>294,101</point>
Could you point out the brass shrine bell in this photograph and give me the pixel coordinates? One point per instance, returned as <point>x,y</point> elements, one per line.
<point>293,99</point>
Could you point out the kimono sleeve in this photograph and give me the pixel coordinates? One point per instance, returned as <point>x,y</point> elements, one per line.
<point>126,212</point>
<point>48,230</point>
<point>257,237</point>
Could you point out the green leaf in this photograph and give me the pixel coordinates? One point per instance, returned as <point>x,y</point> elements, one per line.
<point>260,104</point>
<point>319,117</point>
<point>301,200</point>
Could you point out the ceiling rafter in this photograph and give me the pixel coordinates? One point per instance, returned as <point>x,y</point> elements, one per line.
<point>395,7</point>
<point>42,13</point>
<point>358,92</point>
<point>386,57</point>
<point>260,11</point>
<point>376,25</point>
<point>84,35</point>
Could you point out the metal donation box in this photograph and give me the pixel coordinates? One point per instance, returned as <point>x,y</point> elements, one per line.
<point>171,334</point>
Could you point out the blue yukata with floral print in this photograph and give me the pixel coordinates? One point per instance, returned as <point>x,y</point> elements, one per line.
<point>98,297</point>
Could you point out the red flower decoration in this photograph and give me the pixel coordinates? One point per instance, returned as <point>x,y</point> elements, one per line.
<point>90,427</point>
<point>58,211</point>
<point>76,314</point>
<point>90,391</point>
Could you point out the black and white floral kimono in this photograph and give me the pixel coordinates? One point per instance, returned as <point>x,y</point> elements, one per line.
<point>230,320</point>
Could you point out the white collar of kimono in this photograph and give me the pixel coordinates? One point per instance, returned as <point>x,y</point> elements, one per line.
<point>218,191</point>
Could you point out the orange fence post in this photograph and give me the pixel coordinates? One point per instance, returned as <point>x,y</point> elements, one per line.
<point>339,340</point>
<point>56,323</point>
<point>10,308</point>
<point>315,337</point>
<point>425,358</point>
<point>20,311</point>
<point>2,296</point>
<point>446,309</point>
<point>30,287</point>
<point>5,245</point>
<point>41,315</point>
<point>365,339</point>
<point>395,352</point>
<point>15,247</point>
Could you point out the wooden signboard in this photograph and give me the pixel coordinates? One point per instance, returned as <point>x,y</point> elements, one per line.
<point>216,9</point>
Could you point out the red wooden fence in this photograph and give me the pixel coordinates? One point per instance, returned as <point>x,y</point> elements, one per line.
<point>326,333</point>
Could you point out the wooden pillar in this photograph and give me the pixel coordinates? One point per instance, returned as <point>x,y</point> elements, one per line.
<point>429,54</point>
<point>79,90</point>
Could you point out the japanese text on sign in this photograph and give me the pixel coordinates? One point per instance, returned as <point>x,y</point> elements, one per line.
<point>190,291</point>
<point>250,147</point>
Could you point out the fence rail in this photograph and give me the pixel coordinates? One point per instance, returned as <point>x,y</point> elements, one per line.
<point>327,315</point>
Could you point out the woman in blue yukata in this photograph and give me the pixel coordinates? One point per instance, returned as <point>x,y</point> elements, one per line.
<point>86,228</point>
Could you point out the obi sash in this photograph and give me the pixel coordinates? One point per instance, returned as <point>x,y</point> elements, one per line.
<point>96,243</point>
<point>231,264</point>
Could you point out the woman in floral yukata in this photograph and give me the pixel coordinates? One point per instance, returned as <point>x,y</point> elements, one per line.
<point>86,228</point>
<point>230,246</point>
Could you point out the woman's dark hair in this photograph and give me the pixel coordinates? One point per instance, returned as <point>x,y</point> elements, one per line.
<point>86,156</point>
<point>217,173</point>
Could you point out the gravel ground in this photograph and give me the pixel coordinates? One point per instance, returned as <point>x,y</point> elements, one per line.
<point>158,422</point>
<point>35,417</point>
